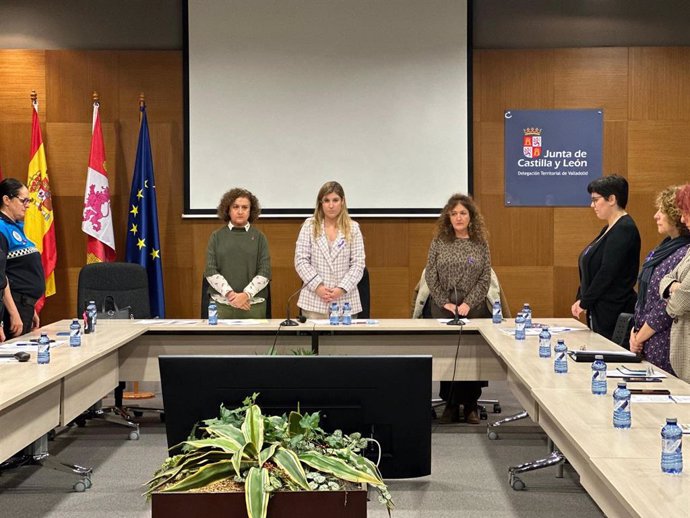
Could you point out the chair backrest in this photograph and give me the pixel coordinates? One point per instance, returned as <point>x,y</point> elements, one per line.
<point>206,297</point>
<point>621,333</point>
<point>364,295</point>
<point>127,283</point>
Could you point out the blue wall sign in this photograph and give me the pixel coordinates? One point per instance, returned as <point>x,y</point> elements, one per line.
<point>551,156</point>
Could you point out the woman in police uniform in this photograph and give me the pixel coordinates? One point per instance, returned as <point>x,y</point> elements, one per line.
<point>23,270</point>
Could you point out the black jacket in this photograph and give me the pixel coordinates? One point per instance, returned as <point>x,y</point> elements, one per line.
<point>608,272</point>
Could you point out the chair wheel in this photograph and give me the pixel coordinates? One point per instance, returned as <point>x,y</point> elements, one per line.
<point>79,486</point>
<point>133,435</point>
<point>81,421</point>
<point>517,484</point>
<point>492,435</point>
<point>482,414</point>
<point>497,408</point>
<point>88,483</point>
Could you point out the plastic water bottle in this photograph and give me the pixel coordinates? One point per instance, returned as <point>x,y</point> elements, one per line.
<point>621,406</point>
<point>544,343</point>
<point>212,313</point>
<point>347,314</point>
<point>334,314</point>
<point>90,316</point>
<point>520,327</point>
<point>43,349</point>
<point>74,333</point>
<point>527,310</point>
<point>599,376</point>
<point>560,362</point>
<point>497,313</point>
<point>672,447</point>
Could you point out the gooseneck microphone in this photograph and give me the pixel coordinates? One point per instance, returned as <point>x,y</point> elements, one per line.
<point>456,318</point>
<point>287,321</point>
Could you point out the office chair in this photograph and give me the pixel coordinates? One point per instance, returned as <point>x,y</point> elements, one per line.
<point>364,290</point>
<point>127,284</point>
<point>206,298</point>
<point>621,333</point>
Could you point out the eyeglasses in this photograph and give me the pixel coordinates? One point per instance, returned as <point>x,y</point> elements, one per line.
<point>24,201</point>
<point>595,199</point>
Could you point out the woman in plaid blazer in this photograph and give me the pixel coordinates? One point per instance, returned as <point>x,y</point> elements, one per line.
<point>329,256</point>
<point>676,288</point>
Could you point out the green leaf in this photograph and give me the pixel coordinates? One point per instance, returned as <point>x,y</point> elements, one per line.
<point>227,431</point>
<point>253,427</point>
<point>220,443</point>
<point>295,426</point>
<point>339,468</point>
<point>289,462</point>
<point>255,494</point>
<point>203,476</point>
<point>267,453</point>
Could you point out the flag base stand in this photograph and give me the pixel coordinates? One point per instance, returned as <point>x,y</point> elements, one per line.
<point>135,394</point>
<point>138,395</point>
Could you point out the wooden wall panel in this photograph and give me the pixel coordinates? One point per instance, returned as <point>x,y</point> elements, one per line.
<point>514,79</point>
<point>659,83</point>
<point>20,72</point>
<point>15,146</point>
<point>643,92</point>
<point>582,76</point>
<point>71,78</point>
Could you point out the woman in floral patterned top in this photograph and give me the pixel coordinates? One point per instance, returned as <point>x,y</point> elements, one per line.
<point>651,333</point>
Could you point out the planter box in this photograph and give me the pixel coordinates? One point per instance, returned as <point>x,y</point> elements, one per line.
<point>283,504</point>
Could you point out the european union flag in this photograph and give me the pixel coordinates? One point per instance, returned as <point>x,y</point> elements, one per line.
<point>143,243</point>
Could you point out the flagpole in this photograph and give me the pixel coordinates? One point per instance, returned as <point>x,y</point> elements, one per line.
<point>135,394</point>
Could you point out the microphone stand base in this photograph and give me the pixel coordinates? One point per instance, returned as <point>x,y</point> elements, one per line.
<point>289,323</point>
<point>455,323</point>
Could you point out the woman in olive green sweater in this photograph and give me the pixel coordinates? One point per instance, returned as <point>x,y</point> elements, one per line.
<point>238,262</point>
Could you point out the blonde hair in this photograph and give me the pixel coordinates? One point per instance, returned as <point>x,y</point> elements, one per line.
<point>344,222</point>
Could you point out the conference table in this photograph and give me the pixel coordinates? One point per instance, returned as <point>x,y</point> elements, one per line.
<point>619,469</point>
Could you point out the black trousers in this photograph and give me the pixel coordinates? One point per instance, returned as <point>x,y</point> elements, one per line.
<point>25,307</point>
<point>465,393</point>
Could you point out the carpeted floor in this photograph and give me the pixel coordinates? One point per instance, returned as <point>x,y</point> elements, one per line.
<point>469,475</point>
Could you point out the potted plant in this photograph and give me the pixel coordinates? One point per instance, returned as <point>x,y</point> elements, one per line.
<point>244,451</point>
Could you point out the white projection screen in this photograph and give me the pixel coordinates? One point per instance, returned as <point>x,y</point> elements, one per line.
<point>284,95</point>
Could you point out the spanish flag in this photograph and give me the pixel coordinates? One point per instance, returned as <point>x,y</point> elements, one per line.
<point>39,224</point>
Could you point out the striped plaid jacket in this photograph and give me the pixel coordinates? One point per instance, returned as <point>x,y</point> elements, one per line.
<point>339,264</point>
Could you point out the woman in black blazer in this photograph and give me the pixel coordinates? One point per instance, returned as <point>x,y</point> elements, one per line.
<point>609,264</point>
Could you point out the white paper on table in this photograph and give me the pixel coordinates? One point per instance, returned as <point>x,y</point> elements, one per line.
<point>650,398</point>
<point>23,345</point>
<point>242,321</point>
<point>621,373</point>
<point>166,322</point>
<point>685,428</point>
<point>681,399</point>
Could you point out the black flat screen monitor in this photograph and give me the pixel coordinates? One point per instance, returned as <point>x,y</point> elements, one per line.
<point>384,397</point>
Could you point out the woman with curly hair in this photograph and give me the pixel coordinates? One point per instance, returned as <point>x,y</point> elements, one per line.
<point>238,263</point>
<point>458,273</point>
<point>651,334</point>
<point>675,288</point>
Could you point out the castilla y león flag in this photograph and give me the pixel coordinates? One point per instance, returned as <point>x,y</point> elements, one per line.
<point>97,219</point>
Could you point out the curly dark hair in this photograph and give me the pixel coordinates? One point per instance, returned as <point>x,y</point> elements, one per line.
<point>229,198</point>
<point>476,228</point>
